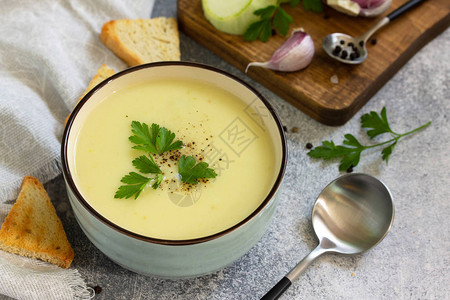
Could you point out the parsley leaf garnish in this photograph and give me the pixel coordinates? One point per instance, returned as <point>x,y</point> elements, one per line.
<point>135,183</point>
<point>145,165</point>
<point>190,172</point>
<point>155,139</point>
<point>350,152</point>
<point>275,17</point>
<point>158,180</point>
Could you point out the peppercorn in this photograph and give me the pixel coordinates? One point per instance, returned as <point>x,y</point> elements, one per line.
<point>342,42</point>
<point>309,146</point>
<point>97,289</point>
<point>373,41</point>
<point>337,50</point>
<point>344,54</point>
<point>361,43</point>
<point>350,169</point>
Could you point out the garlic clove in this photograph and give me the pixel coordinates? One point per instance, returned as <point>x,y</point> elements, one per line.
<point>365,8</point>
<point>347,7</point>
<point>294,54</point>
<point>375,9</point>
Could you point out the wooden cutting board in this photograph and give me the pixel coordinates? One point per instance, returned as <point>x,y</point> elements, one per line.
<point>311,89</point>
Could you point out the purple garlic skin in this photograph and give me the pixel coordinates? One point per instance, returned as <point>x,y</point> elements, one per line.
<point>294,54</point>
<point>373,8</point>
<point>364,8</point>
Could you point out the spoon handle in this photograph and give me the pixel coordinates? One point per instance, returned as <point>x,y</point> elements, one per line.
<point>405,7</point>
<point>278,289</point>
<point>386,20</point>
<point>287,280</point>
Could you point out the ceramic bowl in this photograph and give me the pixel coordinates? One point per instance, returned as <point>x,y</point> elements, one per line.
<point>174,258</point>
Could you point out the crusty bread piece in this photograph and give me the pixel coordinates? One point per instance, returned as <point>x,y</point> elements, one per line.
<point>103,73</point>
<point>33,229</point>
<point>143,40</point>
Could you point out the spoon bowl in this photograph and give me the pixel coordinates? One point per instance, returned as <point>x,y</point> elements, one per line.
<point>350,216</point>
<point>345,48</point>
<point>351,50</point>
<point>353,214</point>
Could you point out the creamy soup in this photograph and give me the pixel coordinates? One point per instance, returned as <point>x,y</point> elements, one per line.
<point>215,127</point>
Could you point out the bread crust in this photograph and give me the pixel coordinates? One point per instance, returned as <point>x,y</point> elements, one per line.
<point>127,38</point>
<point>33,229</point>
<point>112,41</point>
<point>103,73</point>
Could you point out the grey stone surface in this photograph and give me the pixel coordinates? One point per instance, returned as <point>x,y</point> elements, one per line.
<point>411,263</point>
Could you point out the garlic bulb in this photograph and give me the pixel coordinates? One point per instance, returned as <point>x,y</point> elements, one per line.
<point>365,8</point>
<point>295,54</point>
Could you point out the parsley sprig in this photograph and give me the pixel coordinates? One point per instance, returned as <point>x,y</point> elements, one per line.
<point>135,183</point>
<point>155,139</point>
<point>275,17</point>
<point>350,152</point>
<point>190,172</point>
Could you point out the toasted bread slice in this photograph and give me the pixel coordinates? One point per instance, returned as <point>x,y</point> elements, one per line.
<point>33,229</point>
<point>103,73</point>
<point>143,40</point>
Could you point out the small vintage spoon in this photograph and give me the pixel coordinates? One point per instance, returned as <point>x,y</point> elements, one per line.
<point>350,216</point>
<point>350,50</point>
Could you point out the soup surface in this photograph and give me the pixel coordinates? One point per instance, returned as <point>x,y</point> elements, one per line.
<point>214,126</point>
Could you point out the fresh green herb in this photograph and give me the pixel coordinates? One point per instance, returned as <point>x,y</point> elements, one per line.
<point>190,172</point>
<point>275,17</point>
<point>158,180</point>
<point>155,139</point>
<point>313,5</point>
<point>145,165</point>
<point>135,183</point>
<point>350,152</point>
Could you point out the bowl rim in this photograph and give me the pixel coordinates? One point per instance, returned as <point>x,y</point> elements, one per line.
<point>71,184</point>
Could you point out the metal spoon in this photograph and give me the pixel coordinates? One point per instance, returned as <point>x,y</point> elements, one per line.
<point>350,50</point>
<point>350,216</point>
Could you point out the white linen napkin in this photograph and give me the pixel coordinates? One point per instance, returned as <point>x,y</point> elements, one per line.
<point>49,51</point>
